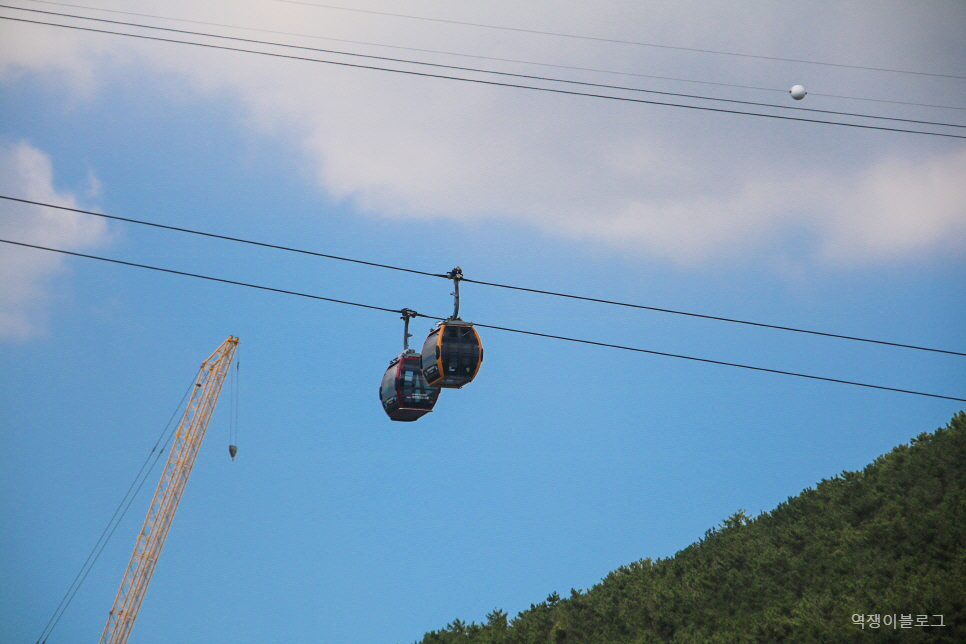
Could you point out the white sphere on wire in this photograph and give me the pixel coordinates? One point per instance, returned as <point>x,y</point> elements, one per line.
<point>798,92</point>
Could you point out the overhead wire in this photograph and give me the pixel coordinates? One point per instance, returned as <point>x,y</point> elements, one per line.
<point>883,100</point>
<point>481,282</point>
<point>217,236</point>
<point>204,277</point>
<point>717,362</point>
<point>492,72</point>
<point>487,326</point>
<point>719,318</point>
<point>112,524</point>
<point>491,58</point>
<point>621,42</point>
<point>478,81</point>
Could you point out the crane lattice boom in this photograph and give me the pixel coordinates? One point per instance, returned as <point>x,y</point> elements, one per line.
<point>187,441</point>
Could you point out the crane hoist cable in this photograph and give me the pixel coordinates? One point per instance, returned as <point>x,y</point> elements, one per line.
<point>233,413</point>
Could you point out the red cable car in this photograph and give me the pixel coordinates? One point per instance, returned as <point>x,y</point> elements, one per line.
<point>404,392</point>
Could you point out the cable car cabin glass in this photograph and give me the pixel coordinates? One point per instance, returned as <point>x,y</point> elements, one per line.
<point>452,354</point>
<point>404,393</point>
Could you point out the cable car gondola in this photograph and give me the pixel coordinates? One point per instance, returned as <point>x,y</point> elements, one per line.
<point>404,392</point>
<point>452,353</point>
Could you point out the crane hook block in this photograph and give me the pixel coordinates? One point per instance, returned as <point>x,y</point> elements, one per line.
<point>232,450</point>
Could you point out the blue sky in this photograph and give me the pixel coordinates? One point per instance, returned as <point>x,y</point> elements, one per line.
<point>561,461</point>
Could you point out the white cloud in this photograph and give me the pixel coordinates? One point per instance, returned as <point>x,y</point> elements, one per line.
<point>27,173</point>
<point>686,187</point>
<point>67,57</point>
<point>94,187</point>
<point>900,207</point>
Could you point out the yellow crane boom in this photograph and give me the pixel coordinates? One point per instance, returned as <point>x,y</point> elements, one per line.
<point>187,441</point>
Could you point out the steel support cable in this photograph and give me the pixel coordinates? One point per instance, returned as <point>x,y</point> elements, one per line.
<point>624,42</point>
<point>493,284</point>
<point>719,319</point>
<point>487,326</point>
<point>216,236</point>
<point>530,77</point>
<point>493,58</point>
<point>717,362</point>
<point>462,55</point>
<point>477,81</point>
<point>101,542</point>
<point>873,100</point>
<point>204,277</point>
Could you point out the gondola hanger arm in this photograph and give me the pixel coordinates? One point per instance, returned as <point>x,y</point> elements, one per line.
<point>456,275</point>
<point>407,314</point>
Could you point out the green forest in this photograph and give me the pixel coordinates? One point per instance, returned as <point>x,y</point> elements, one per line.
<point>887,545</point>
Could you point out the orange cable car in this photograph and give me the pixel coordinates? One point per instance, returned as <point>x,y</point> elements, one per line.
<point>452,353</point>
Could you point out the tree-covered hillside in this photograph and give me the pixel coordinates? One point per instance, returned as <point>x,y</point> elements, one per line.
<point>888,541</point>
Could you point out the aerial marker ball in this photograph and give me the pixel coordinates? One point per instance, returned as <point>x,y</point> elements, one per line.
<point>798,92</point>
